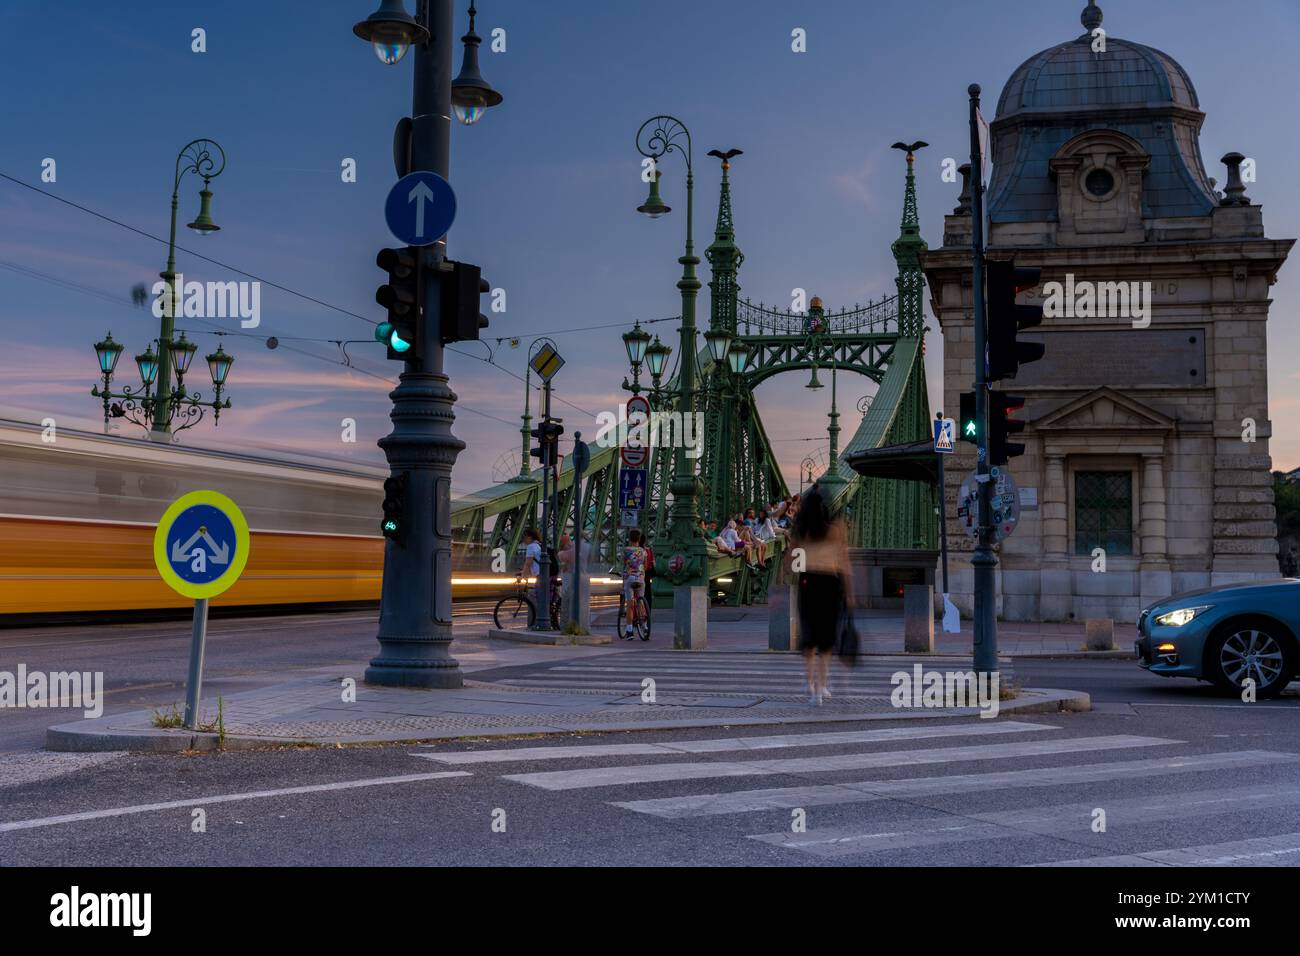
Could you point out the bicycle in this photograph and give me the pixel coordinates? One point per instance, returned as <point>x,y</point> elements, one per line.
<point>518,612</point>
<point>640,619</point>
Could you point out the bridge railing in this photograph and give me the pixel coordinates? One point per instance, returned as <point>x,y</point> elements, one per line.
<point>874,317</point>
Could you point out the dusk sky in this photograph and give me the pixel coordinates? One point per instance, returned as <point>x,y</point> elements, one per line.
<point>547,185</point>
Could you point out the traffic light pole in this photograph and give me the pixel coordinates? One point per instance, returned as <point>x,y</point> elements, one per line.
<point>544,622</point>
<point>984,560</point>
<point>415,605</point>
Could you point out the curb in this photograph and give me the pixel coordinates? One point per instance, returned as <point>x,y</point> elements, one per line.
<point>70,738</point>
<point>556,638</point>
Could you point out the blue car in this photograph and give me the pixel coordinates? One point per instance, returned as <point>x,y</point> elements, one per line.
<point>1226,635</point>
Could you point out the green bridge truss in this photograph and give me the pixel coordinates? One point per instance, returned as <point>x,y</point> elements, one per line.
<point>883,341</point>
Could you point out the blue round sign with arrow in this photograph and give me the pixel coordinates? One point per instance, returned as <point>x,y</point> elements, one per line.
<point>420,208</point>
<point>201,544</point>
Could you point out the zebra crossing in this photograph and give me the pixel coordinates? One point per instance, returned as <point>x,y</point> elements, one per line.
<point>741,673</point>
<point>888,798</point>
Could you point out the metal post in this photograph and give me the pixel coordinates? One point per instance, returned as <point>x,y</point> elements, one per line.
<point>579,593</point>
<point>415,610</point>
<point>544,622</point>
<point>194,683</point>
<point>526,431</point>
<point>984,560</point>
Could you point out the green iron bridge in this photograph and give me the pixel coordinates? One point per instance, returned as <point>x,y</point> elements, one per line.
<point>883,341</point>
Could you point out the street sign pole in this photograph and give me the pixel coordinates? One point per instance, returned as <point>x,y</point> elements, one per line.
<point>544,565</point>
<point>200,547</point>
<point>984,560</point>
<point>198,642</point>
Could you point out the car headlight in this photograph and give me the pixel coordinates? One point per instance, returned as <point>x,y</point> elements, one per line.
<point>1182,616</point>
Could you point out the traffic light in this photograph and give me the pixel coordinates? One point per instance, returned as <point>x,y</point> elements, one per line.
<point>539,452</point>
<point>395,500</point>
<point>968,423</point>
<point>401,297</point>
<point>1006,319</point>
<point>1002,427</point>
<point>547,433</point>
<point>458,289</point>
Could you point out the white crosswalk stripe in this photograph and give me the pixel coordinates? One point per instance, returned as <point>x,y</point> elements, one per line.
<point>731,673</point>
<point>1066,820</point>
<point>647,773</point>
<point>677,748</point>
<point>1280,850</point>
<point>1041,815</point>
<point>784,798</point>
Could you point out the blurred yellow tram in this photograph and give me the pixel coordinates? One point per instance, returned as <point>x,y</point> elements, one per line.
<point>77,518</point>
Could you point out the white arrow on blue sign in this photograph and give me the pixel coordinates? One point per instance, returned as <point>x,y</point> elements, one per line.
<point>420,208</point>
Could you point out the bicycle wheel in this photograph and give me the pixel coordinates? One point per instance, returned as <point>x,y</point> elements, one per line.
<point>643,618</point>
<point>622,613</point>
<point>514,613</point>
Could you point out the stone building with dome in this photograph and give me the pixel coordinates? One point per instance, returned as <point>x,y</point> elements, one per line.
<point>1147,438</point>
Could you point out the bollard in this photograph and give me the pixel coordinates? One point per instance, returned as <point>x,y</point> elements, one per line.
<point>783,617</point>
<point>918,618</point>
<point>1099,634</point>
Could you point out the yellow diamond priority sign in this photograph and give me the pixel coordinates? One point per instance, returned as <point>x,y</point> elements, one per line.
<point>546,362</point>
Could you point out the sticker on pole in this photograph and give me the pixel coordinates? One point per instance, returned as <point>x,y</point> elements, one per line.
<point>420,208</point>
<point>945,430</point>
<point>201,544</point>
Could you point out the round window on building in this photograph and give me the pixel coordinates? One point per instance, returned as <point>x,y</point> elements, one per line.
<point>1099,183</point>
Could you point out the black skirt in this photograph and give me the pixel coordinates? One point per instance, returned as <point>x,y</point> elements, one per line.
<point>821,602</point>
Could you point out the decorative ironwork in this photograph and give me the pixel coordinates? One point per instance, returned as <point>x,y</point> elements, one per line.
<point>875,317</point>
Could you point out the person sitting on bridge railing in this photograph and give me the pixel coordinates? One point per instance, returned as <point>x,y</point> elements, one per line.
<point>730,537</point>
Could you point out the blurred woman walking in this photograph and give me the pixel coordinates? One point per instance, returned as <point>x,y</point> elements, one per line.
<point>820,548</point>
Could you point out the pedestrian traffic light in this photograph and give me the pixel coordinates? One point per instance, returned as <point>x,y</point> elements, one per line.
<point>458,290</point>
<point>1006,319</point>
<point>968,421</point>
<point>395,502</point>
<point>401,297</point>
<point>1001,427</point>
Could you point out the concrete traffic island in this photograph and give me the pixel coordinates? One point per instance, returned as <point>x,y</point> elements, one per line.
<point>548,637</point>
<point>312,711</point>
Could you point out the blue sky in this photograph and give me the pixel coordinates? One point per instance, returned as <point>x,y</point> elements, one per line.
<point>547,183</point>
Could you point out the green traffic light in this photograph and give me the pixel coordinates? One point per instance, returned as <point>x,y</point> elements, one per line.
<point>397,343</point>
<point>382,331</point>
<point>390,525</point>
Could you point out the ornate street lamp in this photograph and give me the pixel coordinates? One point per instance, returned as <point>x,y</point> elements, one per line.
<point>718,341</point>
<point>160,412</point>
<point>738,357</point>
<point>219,367</point>
<point>182,350</point>
<point>203,224</point>
<point>656,359</point>
<point>471,95</point>
<point>108,352</point>
<point>391,30</point>
<point>147,363</point>
<point>654,206</point>
<point>635,341</point>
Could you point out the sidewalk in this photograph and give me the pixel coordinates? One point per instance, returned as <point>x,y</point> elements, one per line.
<point>309,705</point>
<point>738,629</point>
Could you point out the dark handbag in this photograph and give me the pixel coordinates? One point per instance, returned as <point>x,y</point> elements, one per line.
<point>847,641</point>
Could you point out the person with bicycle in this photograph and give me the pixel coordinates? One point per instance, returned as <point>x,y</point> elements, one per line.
<point>634,568</point>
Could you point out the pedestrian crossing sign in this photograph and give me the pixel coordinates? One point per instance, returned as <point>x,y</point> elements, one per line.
<point>945,431</point>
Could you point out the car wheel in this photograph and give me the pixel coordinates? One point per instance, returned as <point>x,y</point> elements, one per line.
<point>1259,650</point>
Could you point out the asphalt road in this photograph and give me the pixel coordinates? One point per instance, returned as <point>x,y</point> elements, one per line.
<point>1179,773</point>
